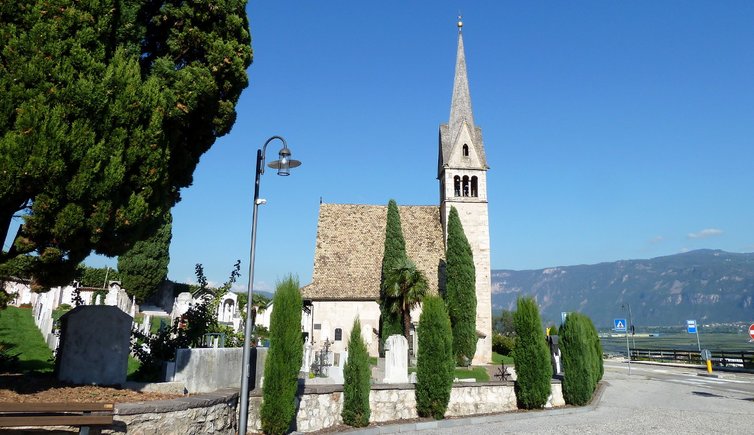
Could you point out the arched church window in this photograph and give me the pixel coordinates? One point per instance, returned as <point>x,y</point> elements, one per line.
<point>465,150</point>
<point>338,334</point>
<point>457,185</point>
<point>474,187</point>
<point>465,185</point>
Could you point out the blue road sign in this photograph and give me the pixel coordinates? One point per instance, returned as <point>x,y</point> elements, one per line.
<point>619,325</point>
<point>691,326</point>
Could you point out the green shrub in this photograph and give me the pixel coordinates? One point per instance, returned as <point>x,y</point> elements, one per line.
<point>552,330</point>
<point>596,352</point>
<point>356,381</point>
<point>503,344</point>
<point>435,360</point>
<point>578,365</point>
<point>283,359</point>
<point>532,357</point>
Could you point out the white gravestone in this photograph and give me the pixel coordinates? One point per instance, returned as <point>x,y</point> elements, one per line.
<point>396,360</point>
<point>306,362</point>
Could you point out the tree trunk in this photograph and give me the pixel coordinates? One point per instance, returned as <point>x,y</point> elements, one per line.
<point>407,324</point>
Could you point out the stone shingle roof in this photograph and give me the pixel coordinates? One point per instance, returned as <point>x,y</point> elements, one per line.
<point>350,244</point>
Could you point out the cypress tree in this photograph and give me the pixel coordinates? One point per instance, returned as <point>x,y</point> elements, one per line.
<point>579,368</point>
<point>145,266</point>
<point>356,381</point>
<point>394,255</point>
<point>105,110</point>
<point>435,360</point>
<point>596,351</point>
<point>283,359</point>
<point>531,356</point>
<point>460,291</point>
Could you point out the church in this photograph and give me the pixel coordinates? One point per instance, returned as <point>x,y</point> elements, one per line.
<point>350,239</point>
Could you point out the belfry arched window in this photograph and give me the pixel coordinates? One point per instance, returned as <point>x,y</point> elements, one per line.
<point>457,185</point>
<point>465,185</point>
<point>465,150</point>
<point>474,186</point>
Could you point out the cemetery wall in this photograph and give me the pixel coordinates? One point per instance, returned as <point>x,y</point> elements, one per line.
<point>318,408</point>
<point>320,405</point>
<point>213,413</point>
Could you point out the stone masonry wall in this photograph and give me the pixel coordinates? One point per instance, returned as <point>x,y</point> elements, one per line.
<point>319,408</point>
<point>321,405</point>
<point>213,413</point>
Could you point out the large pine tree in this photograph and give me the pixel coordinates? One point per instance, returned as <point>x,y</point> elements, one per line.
<point>145,266</point>
<point>394,255</point>
<point>105,109</point>
<point>460,290</point>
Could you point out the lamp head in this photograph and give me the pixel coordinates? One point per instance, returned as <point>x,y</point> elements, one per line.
<point>285,163</point>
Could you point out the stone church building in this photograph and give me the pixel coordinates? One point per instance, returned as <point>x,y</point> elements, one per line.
<point>350,239</point>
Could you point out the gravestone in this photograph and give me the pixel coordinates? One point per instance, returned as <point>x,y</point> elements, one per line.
<point>396,360</point>
<point>335,374</point>
<point>95,341</point>
<point>306,361</point>
<point>146,324</point>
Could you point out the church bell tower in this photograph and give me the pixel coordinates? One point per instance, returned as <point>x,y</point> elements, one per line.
<point>462,172</point>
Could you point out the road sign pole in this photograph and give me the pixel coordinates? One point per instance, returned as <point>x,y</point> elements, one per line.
<point>697,339</point>
<point>628,352</point>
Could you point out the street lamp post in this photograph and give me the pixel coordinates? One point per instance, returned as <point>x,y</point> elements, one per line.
<point>283,167</point>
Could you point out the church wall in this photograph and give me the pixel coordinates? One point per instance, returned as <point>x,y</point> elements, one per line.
<point>327,316</point>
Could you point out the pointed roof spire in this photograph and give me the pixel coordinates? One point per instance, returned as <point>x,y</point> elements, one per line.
<point>460,105</point>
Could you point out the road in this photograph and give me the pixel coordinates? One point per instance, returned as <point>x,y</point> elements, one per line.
<point>656,400</point>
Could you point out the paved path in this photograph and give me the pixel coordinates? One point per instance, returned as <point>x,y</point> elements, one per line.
<point>633,404</point>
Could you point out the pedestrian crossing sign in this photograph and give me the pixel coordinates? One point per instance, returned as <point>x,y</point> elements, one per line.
<point>620,325</point>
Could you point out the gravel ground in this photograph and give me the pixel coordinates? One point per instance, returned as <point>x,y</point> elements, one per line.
<point>44,388</point>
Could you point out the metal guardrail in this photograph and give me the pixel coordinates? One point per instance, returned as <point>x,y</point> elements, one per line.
<point>733,358</point>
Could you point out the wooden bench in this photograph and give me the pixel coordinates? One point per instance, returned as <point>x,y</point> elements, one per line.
<point>81,415</point>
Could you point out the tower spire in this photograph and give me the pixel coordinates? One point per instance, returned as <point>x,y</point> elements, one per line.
<point>460,105</point>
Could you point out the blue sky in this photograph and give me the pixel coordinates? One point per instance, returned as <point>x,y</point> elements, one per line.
<point>614,130</point>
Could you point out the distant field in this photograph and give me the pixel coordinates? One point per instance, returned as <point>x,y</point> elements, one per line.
<point>712,341</point>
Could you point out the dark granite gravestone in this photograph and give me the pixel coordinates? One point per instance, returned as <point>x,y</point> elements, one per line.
<point>95,341</point>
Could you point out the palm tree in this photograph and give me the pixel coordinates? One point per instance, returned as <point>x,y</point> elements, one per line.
<point>405,287</point>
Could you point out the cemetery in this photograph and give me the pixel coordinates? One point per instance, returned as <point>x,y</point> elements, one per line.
<point>200,393</point>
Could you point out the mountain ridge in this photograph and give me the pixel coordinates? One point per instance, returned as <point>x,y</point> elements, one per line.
<point>710,286</point>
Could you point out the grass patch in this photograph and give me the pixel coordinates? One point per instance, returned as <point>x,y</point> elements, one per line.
<point>20,336</point>
<point>373,360</point>
<point>478,373</point>
<point>502,359</point>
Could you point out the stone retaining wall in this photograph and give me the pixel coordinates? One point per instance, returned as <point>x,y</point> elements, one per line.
<point>213,413</point>
<point>318,408</point>
<point>320,405</point>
